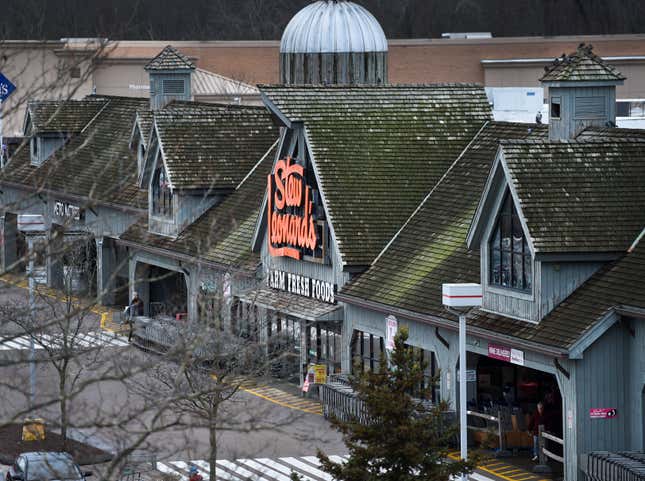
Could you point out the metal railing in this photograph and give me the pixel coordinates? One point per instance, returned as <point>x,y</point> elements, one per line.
<point>493,425</point>
<point>608,466</point>
<point>545,454</point>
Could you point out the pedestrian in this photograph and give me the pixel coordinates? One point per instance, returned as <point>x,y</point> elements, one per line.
<point>134,309</point>
<point>539,418</point>
<point>194,474</point>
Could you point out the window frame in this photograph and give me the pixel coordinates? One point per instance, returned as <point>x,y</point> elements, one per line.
<point>497,235</point>
<point>559,104</point>
<point>162,198</point>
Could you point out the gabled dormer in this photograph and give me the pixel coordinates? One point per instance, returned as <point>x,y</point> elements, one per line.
<point>196,156</point>
<point>170,75</point>
<point>139,140</point>
<point>50,124</point>
<point>548,219</point>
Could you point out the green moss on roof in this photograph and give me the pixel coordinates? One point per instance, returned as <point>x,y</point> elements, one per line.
<point>96,164</point>
<point>431,248</point>
<point>580,196</point>
<point>170,59</point>
<point>212,148</point>
<point>379,150</point>
<point>62,116</point>
<point>224,233</point>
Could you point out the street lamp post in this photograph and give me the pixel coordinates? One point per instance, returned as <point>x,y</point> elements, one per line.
<point>31,225</point>
<point>459,299</point>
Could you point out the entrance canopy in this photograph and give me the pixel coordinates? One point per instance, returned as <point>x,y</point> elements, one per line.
<point>292,305</point>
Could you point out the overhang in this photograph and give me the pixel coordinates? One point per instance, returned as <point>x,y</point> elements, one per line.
<point>292,305</point>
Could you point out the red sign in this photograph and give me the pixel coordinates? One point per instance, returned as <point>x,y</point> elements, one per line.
<point>506,354</point>
<point>603,413</point>
<point>290,233</point>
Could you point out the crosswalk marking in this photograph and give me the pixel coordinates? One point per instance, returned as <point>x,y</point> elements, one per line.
<point>264,469</point>
<point>80,340</point>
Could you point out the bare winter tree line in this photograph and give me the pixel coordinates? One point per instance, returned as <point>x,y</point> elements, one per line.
<point>266,19</point>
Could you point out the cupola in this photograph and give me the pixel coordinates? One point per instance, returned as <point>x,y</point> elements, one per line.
<point>582,93</point>
<point>170,77</point>
<point>333,42</point>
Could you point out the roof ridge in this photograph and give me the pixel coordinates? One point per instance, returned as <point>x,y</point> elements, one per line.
<point>425,199</point>
<point>370,86</point>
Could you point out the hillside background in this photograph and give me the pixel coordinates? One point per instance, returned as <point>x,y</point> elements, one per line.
<point>266,19</point>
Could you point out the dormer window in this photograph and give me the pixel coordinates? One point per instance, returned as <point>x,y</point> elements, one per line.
<point>510,258</point>
<point>161,194</point>
<point>33,143</point>
<point>555,107</point>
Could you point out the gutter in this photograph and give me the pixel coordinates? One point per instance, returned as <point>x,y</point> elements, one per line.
<point>76,198</point>
<point>454,326</point>
<point>182,257</point>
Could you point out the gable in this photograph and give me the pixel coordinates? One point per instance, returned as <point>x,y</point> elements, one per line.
<point>294,221</point>
<point>378,151</point>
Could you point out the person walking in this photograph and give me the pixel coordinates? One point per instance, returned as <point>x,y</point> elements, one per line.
<point>539,418</point>
<point>194,474</point>
<point>134,309</point>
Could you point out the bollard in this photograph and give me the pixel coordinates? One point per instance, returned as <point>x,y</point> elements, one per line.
<point>542,467</point>
<point>502,452</point>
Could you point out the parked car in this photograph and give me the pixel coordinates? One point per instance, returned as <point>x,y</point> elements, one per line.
<point>45,466</point>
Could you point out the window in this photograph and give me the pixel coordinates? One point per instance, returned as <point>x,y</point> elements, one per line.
<point>34,150</point>
<point>75,72</point>
<point>161,194</point>
<point>510,258</point>
<point>367,350</point>
<point>555,107</point>
<point>430,373</point>
<point>630,108</point>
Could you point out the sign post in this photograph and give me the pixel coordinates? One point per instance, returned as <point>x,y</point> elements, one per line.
<point>31,225</point>
<point>6,89</point>
<point>458,299</point>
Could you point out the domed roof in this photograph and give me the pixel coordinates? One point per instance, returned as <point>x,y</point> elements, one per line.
<point>333,26</point>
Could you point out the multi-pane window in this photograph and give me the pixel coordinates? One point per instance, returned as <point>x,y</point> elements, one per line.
<point>161,194</point>
<point>430,372</point>
<point>367,350</point>
<point>511,264</point>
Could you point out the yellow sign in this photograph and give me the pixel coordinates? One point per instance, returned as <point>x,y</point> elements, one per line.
<point>320,373</point>
<point>33,430</point>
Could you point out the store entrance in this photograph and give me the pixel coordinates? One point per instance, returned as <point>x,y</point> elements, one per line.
<point>512,393</point>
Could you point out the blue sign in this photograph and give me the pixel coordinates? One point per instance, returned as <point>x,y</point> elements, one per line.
<point>6,88</point>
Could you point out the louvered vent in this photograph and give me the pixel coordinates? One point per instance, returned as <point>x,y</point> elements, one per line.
<point>590,107</point>
<point>173,87</point>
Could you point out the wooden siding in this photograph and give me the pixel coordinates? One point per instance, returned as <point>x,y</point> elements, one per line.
<point>602,382</point>
<point>559,279</point>
<point>158,98</point>
<point>46,147</point>
<point>575,113</point>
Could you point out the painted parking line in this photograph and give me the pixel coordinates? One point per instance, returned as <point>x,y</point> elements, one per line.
<point>502,470</point>
<point>284,399</point>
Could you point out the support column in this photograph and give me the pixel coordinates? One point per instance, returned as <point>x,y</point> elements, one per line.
<point>55,249</point>
<point>9,241</point>
<point>105,271</point>
<point>139,282</point>
<point>566,378</point>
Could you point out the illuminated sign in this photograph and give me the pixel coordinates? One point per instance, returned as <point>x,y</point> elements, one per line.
<point>291,226</point>
<point>302,286</point>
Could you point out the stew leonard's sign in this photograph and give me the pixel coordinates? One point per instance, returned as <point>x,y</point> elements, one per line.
<point>290,224</point>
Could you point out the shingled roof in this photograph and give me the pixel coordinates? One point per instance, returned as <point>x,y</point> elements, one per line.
<point>618,285</point>
<point>170,59</point>
<point>96,164</point>
<point>581,66</point>
<point>431,248</point>
<point>223,234</point>
<point>62,116</point>
<point>379,150</point>
<point>212,147</point>
<point>579,196</point>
